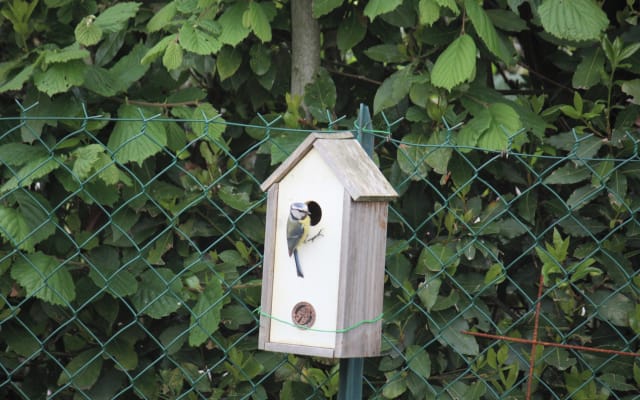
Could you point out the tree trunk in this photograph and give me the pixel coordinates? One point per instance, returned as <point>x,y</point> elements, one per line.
<point>305,46</point>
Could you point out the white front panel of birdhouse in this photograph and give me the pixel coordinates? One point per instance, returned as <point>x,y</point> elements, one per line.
<point>312,299</point>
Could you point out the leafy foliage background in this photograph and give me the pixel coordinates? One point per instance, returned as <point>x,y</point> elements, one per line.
<point>132,223</point>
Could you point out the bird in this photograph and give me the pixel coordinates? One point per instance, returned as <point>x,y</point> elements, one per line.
<point>298,226</point>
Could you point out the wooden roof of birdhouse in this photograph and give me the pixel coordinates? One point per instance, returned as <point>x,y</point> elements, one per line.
<point>349,162</point>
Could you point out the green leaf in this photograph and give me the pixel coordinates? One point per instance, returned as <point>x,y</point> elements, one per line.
<point>31,172</point>
<point>387,53</point>
<point>59,77</point>
<point>632,88</point>
<point>172,58</point>
<point>73,52</point>
<point>573,20</point>
<point>379,7</point>
<point>392,90</point>
<point>568,174</point>
<point>85,159</point>
<point>158,49</point>
<point>590,69</point>
<point>29,223</point>
<point>428,12</point>
<point>418,153</point>
<point>228,62</point>
<point>259,59</point>
<point>114,18</point>
<point>45,278</point>
<point>351,31</point>
<point>161,18</point>
<point>323,7</point>
<point>418,361</point>
<point>450,4</point>
<point>231,24</point>
<point>198,41</point>
<point>456,64</point>
<point>487,32</point>
<point>613,307</point>
<point>256,18</point>
<point>123,350</point>
<point>87,33</point>
<point>212,125</point>
<point>447,328</point>
<point>436,258</point>
<point>83,370</point>
<point>506,20</point>
<point>395,385</point>
<point>428,293</point>
<point>20,339</point>
<point>135,140</point>
<point>320,95</point>
<point>559,359</point>
<point>130,69</point>
<point>238,200</point>
<point>106,271</point>
<point>158,294</point>
<point>18,80</point>
<point>205,315</point>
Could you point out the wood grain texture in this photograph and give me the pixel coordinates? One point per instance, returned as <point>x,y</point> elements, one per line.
<point>355,169</point>
<point>361,278</point>
<point>267,266</point>
<point>299,153</point>
<point>297,349</point>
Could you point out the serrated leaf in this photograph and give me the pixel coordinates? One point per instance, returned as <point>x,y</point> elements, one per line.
<point>590,69</point>
<point>456,64</point>
<point>31,172</point>
<point>87,33</point>
<point>612,307</point>
<point>135,140</point>
<point>505,122</point>
<point>17,154</point>
<point>161,18</point>
<point>69,53</point>
<point>392,90</point>
<point>581,196</point>
<point>573,20</point>
<point>157,49</point>
<point>379,7</point>
<point>205,315</point>
<point>59,77</point>
<point>123,351</point>
<point>412,154</point>
<point>450,4</point>
<point>228,62</point>
<point>29,223</point>
<point>487,32</point>
<point>212,125</point>
<point>172,58</point>
<point>320,95</point>
<point>256,19</point>
<point>324,7</point>
<point>568,174</point>
<point>351,31</point>
<point>233,30</point>
<point>436,258</point>
<point>18,80</point>
<point>83,370</point>
<point>43,277</point>
<point>115,17</point>
<point>158,294</point>
<point>85,158</point>
<point>197,41</point>
<point>260,59</point>
<point>428,12</point>
<point>234,198</point>
<point>506,20</point>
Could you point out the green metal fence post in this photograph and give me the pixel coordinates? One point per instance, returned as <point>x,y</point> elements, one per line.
<point>352,369</point>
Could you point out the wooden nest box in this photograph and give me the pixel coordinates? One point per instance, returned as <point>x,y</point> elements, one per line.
<point>334,310</point>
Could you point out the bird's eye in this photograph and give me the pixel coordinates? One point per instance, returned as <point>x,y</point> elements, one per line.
<point>315,212</point>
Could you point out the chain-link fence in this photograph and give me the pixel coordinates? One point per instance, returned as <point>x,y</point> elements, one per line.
<point>131,251</point>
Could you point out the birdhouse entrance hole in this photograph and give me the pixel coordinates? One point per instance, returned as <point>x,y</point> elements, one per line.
<point>315,212</point>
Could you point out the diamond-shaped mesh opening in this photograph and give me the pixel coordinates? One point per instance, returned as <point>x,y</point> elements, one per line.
<point>130,266</point>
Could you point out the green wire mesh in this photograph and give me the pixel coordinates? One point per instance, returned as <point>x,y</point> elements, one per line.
<point>130,267</point>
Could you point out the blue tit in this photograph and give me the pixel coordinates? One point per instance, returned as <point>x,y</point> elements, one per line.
<point>297,230</point>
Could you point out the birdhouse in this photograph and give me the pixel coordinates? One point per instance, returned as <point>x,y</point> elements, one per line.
<point>332,306</point>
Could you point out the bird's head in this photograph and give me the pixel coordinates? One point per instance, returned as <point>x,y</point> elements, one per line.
<point>299,210</point>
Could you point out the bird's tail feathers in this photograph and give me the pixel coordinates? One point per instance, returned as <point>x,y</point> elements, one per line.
<point>297,261</point>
